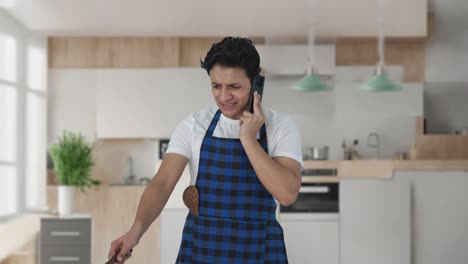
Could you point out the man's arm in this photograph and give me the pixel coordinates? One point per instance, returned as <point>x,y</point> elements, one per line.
<point>158,191</point>
<point>152,202</point>
<point>281,176</point>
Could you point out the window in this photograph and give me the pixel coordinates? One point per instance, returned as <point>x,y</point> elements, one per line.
<point>23,93</point>
<point>8,126</point>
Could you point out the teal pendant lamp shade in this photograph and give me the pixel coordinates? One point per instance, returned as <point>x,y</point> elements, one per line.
<point>311,83</point>
<point>380,83</point>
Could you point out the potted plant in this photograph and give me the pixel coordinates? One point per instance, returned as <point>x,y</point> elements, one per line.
<point>73,160</point>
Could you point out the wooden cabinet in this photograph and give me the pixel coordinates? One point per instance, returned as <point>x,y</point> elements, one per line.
<point>148,103</point>
<point>375,221</point>
<point>310,240</point>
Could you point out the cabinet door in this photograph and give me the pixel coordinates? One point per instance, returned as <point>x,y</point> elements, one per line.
<point>311,241</point>
<point>375,221</point>
<point>150,102</point>
<point>172,225</point>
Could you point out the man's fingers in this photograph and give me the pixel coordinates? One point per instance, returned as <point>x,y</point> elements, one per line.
<point>114,246</point>
<point>257,104</point>
<point>122,253</point>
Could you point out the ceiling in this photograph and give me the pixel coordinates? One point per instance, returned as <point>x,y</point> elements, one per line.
<point>352,18</point>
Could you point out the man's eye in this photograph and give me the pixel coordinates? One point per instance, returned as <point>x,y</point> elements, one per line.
<point>215,86</point>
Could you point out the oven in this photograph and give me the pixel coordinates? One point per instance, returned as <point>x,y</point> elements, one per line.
<point>315,196</point>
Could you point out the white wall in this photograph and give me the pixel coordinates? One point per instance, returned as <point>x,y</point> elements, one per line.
<point>446,52</point>
<point>445,107</point>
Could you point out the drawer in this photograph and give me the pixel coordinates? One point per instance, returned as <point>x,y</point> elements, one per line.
<point>65,255</point>
<point>65,232</point>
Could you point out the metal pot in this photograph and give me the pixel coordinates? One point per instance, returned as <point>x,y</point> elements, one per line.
<point>318,153</point>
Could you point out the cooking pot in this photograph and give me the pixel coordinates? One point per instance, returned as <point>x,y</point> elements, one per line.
<point>318,153</point>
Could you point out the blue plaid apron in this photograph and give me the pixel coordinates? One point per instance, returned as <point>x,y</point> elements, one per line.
<point>236,222</point>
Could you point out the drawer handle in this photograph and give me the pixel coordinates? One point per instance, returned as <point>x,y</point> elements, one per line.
<point>314,189</point>
<point>65,233</point>
<point>64,258</point>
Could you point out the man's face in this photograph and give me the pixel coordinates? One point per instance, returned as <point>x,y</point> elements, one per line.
<point>231,89</point>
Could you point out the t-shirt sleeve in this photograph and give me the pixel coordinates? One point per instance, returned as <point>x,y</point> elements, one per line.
<point>288,143</point>
<point>181,138</point>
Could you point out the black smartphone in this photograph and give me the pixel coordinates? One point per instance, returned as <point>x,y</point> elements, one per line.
<point>257,85</point>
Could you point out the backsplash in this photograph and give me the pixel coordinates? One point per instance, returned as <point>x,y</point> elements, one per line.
<point>111,159</point>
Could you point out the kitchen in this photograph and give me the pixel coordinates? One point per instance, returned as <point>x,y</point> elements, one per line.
<point>399,198</point>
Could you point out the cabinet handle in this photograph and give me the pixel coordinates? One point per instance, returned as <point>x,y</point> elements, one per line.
<point>65,233</point>
<point>314,189</point>
<point>64,258</point>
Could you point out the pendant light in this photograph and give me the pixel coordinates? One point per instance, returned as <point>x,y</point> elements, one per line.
<point>380,82</point>
<point>311,82</point>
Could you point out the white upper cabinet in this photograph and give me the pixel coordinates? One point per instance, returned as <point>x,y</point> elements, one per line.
<point>149,103</point>
<point>292,59</point>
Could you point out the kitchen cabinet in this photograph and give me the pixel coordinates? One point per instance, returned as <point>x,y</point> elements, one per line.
<point>172,224</point>
<point>148,103</point>
<point>440,214</point>
<point>113,210</point>
<point>292,59</point>
<point>311,238</point>
<point>65,240</point>
<point>375,220</point>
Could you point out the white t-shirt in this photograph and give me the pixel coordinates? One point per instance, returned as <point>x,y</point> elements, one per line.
<point>283,136</point>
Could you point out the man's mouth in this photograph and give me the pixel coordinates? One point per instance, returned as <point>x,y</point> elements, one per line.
<point>228,106</point>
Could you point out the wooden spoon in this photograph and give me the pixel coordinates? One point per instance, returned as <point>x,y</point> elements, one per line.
<point>190,198</point>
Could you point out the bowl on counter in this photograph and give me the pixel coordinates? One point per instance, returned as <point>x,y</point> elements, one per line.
<point>318,153</point>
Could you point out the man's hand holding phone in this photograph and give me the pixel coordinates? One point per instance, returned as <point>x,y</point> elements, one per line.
<point>251,123</point>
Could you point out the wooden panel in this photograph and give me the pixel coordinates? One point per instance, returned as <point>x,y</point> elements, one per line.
<point>192,50</point>
<point>431,165</point>
<point>366,169</point>
<point>440,147</point>
<point>113,52</point>
<point>130,52</point>
<point>419,126</point>
<point>73,52</point>
<point>410,53</point>
<point>113,210</point>
<point>321,164</point>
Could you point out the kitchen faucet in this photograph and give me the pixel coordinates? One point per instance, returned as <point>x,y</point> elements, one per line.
<point>375,137</point>
<point>130,179</point>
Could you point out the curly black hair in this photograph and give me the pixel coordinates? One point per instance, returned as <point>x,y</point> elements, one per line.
<point>233,52</point>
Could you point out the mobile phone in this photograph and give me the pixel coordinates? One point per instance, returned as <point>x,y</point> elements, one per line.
<point>257,85</point>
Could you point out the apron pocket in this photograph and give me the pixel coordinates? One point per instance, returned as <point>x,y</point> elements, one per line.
<point>219,240</point>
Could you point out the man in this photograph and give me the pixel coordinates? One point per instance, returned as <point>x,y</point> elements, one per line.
<point>240,173</point>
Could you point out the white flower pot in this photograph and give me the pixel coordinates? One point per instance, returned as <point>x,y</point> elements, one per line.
<point>66,200</point>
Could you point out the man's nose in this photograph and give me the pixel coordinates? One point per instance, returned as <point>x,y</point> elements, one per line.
<point>225,94</point>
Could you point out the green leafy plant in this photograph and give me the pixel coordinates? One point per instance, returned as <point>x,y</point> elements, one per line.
<point>73,160</point>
